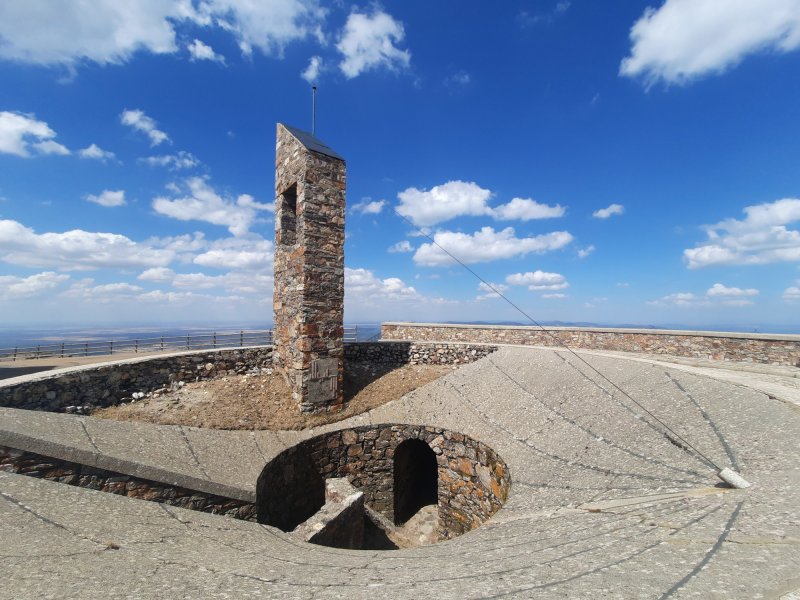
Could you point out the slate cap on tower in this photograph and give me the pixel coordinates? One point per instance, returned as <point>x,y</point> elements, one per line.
<point>312,143</point>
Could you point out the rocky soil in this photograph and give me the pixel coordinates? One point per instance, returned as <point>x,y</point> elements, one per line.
<point>263,400</point>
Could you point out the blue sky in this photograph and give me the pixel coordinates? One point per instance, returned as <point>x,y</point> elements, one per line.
<point>617,163</point>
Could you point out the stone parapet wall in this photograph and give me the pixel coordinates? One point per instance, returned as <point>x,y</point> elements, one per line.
<point>741,347</point>
<point>403,353</point>
<point>473,481</point>
<point>109,384</point>
<point>70,473</point>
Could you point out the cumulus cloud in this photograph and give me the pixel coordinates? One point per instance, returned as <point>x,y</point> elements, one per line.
<point>203,204</point>
<point>312,70</point>
<point>792,294</point>
<point>200,51</point>
<point>22,134</point>
<point>719,290</point>
<point>525,209</point>
<point>686,39</point>
<point>459,79</point>
<point>554,296</point>
<point>490,290</point>
<point>486,245</point>
<point>539,280</point>
<point>402,246</point>
<point>141,122</point>
<point>108,198</point>
<point>362,283</point>
<point>95,152</point>
<point>368,207</point>
<point>174,162</point>
<point>609,211</point>
<point>76,249</point>
<point>584,252</point>
<point>369,41</point>
<point>717,294</point>
<point>461,198</point>
<point>762,237</point>
<point>443,202</point>
<point>157,274</point>
<point>44,32</point>
<point>12,287</point>
<point>251,253</point>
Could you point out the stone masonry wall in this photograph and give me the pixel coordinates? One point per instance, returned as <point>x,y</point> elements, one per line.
<point>308,299</point>
<point>404,353</point>
<point>106,385</point>
<point>743,347</point>
<point>473,481</point>
<point>52,469</point>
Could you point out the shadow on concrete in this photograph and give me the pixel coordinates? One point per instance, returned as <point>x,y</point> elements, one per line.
<point>9,372</point>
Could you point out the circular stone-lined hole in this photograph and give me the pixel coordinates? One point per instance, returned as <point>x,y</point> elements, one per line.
<point>401,470</point>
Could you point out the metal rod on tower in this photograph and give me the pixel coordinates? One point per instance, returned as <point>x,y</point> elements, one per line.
<point>313,109</point>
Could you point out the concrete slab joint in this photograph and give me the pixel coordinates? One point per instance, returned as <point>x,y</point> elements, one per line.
<point>309,269</point>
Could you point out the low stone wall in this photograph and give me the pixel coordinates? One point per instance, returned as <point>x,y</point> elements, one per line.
<point>402,353</point>
<point>52,469</point>
<point>340,522</point>
<point>473,481</point>
<point>109,384</point>
<point>742,347</point>
<point>95,386</point>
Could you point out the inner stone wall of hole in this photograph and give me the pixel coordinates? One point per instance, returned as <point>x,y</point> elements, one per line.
<point>473,481</point>
<point>99,386</point>
<point>71,473</point>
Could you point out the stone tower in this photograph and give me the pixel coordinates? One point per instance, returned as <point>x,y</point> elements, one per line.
<point>309,269</point>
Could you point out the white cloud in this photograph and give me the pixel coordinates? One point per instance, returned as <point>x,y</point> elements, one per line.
<point>368,207</point>
<point>792,294</point>
<point>681,299</point>
<point>240,283</point>
<point>443,202</point>
<point>554,296</point>
<point>686,39</point>
<point>604,213</point>
<point>623,284</point>
<point>362,283</point>
<point>267,26</point>
<point>204,204</point>
<point>12,287</point>
<point>490,293</point>
<point>584,252</point>
<point>252,253</point>
<point>95,152</point>
<point>486,245</point>
<point>719,290</point>
<point>525,209</point>
<point>76,249</point>
<point>21,133</point>
<point>369,41</point>
<point>458,79</point>
<point>539,280</point>
<point>111,32</point>
<point>158,274</point>
<point>108,198</point>
<point>200,51</point>
<point>403,246</point>
<point>760,238</point>
<point>141,122</point>
<point>174,162</point>
<point>312,70</point>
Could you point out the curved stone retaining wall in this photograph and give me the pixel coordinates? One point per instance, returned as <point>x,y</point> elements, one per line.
<point>743,347</point>
<point>473,481</point>
<point>109,384</point>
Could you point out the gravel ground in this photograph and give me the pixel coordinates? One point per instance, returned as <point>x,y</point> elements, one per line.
<point>264,401</point>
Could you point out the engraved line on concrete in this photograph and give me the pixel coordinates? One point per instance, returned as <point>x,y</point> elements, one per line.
<point>191,451</point>
<point>561,459</point>
<point>708,556</point>
<point>88,437</point>
<point>709,420</point>
<point>588,431</point>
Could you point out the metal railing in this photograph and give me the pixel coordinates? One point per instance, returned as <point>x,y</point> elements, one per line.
<point>162,343</point>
